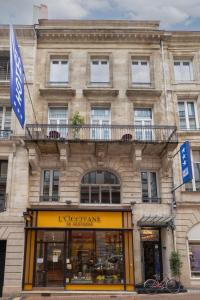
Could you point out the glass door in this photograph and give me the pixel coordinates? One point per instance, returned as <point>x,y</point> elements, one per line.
<point>55,264</point>
<point>143,122</point>
<point>58,119</point>
<point>100,118</point>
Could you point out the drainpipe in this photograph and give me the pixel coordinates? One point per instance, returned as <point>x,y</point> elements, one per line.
<point>164,78</point>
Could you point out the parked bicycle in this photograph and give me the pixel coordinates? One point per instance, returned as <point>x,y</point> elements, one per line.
<point>155,285</point>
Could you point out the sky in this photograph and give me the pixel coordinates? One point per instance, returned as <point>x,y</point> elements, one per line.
<point>173,14</point>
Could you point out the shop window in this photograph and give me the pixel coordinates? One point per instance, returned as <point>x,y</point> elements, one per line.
<point>149,187</point>
<point>100,187</point>
<point>99,70</point>
<point>187,115</point>
<point>59,71</point>
<point>194,185</point>
<point>183,70</point>
<point>96,257</point>
<point>194,250</point>
<point>50,185</point>
<point>140,72</point>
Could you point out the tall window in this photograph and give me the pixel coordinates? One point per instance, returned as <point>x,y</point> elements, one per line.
<point>149,187</point>
<point>183,70</point>
<point>187,115</point>
<point>5,121</point>
<point>143,122</point>
<point>195,184</point>
<point>58,118</point>
<point>100,118</point>
<point>4,66</point>
<point>59,71</point>
<point>50,185</point>
<point>99,71</point>
<point>100,187</point>
<point>3,179</point>
<point>140,72</point>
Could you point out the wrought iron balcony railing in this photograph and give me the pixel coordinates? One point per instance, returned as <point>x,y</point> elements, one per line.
<point>106,133</point>
<point>3,201</point>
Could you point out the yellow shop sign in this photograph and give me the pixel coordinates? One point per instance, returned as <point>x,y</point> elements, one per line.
<point>79,219</point>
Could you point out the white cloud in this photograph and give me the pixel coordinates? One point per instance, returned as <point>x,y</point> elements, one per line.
<point>170,12</point>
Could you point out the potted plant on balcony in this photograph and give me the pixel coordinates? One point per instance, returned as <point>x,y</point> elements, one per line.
<point>77,121</point>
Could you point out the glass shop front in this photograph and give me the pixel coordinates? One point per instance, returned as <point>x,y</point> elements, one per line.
<point>79,250</point>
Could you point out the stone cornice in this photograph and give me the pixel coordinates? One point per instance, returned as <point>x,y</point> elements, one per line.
<point>100,92</point>
<point>23,32</point>
<point>143,92</point>
<point>98,35</point>
<point>56,91</point>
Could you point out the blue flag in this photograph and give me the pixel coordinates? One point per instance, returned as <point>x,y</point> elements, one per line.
<point>16,79</point>
<point>186,164</point>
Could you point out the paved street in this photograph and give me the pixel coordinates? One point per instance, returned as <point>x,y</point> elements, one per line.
<point>183,296</point>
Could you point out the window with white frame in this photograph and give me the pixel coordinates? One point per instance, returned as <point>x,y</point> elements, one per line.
<point>57,120</point>
<point>100,187</point>
<point>50,185</point>
<point>143,123</point>
<point>149,187</point>
<point>187,113</point>
<point>99,70</point>
<point>59,71</point>
<point>183,70</point>
<point>194,185</point>
<point>5,122</point>
<point>140,72</point>
<point>100,119</point>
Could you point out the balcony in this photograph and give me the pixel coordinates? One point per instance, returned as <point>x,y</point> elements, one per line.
<point>3,202</point>
<point>5,134</point>
<point>150,138</point>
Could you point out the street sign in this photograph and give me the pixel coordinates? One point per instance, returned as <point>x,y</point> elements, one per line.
<point>186,164</point>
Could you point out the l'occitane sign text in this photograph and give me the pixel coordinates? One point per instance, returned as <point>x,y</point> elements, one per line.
<point>79,219</point>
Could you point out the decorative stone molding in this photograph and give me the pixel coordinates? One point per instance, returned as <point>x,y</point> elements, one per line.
<point>57,91</point>
<point>137,156</point>
<point>167,160</point>
<point>100,92</point>
<point>101,153</point>
<point>33,156</point>
<point>64,152</point>
<point>144,92</point>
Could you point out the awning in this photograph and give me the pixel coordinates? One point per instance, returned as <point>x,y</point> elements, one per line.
<point>156,221</point>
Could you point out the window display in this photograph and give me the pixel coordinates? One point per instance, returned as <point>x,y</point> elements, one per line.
<point>96,257</point>
<point>194,253</point>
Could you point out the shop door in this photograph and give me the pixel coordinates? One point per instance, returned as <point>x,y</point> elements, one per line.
<point>152,259</point>
<point>2,264</point>
<point>50,270</point>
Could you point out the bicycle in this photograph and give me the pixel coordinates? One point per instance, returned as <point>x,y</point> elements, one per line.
<point>154,285</point>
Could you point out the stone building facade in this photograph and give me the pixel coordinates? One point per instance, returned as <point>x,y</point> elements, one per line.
<point>93,173</point>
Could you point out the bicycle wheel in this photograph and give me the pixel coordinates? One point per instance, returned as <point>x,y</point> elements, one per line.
<point>173,286</point>
<point>150,285</point>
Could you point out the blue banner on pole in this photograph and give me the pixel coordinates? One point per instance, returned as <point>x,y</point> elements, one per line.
<point>186,165</point>
<point>16,79</point>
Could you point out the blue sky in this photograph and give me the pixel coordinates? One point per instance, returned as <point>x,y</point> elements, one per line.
<point>173,14</point>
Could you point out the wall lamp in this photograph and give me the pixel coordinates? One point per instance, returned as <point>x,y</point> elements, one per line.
<point>68,202</point>
<point>27,216</point>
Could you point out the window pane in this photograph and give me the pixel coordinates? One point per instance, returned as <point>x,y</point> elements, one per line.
<point>85,194</point>
<point>59,71</point>
<point>197,175</point>
<point>143,113</point>
<point>194,252</point>
<point>140,72</point>
<point>55,184</point>
<point>100,71</point>
<point>46,183</point>
<point>177,71</point>
<point>153,183</point>
<point>95,194</point>
<point>105,194</point>
<point>115,194</point>
<point>3,168</point>
<point>144,177</point>
<point>7,121</point>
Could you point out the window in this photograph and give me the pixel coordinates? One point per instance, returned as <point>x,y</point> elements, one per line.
<point>183,70</point>
<point>4,66</point>
<point>3,179</point>
<point>50,185</point>
<point>195,184</point>
<point>58,119</point>
<point>143,122</point>
<point>100,187</point>
<point>194,250</point>
<point>99,71</point>
<point>59,70</point>
<point>149,187</point>
<point>187,115</point>
<point>140,72</point>
<point>5,121</point>
<point>100,117</point>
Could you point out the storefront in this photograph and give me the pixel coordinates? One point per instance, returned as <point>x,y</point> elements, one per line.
<point>79,250</point>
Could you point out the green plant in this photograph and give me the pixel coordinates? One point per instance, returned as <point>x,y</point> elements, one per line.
<point>76,121</point>
<point>175,263</point>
